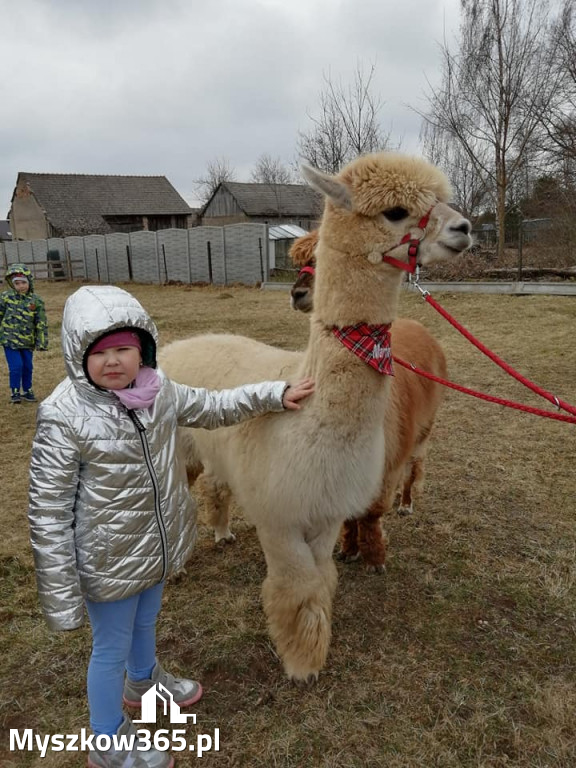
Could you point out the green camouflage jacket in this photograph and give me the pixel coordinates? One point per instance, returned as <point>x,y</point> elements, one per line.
<point>22,316</point>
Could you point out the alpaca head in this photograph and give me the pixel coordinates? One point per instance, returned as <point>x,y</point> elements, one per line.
<point>302,255</point>
<point>378,199</point>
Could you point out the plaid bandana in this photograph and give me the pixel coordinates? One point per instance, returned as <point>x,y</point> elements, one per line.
<point>371,343</point>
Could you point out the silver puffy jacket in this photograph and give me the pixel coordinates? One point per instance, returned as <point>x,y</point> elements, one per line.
<point>110,512</point>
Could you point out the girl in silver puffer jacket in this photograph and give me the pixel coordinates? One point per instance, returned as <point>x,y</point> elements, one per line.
<point>110,514</point>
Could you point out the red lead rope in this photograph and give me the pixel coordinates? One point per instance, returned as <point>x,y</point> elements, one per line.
<point>502,364</point>
<point>505,367</point>
<point>482,396</point>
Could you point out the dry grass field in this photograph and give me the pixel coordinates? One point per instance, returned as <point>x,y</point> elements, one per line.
<point>462,654</point>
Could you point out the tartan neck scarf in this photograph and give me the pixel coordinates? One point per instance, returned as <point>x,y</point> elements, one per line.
<point>371,343</point>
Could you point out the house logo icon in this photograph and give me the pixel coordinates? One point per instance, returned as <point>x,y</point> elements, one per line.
<point>159,694</point>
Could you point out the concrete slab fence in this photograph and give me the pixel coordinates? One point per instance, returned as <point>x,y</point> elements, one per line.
<point>237,253</point>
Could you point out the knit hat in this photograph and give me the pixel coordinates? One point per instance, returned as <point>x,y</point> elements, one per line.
<point>19,276</point>
<point>125,338</point>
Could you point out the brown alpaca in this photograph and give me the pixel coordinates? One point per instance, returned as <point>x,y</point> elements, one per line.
<point>409,417</point>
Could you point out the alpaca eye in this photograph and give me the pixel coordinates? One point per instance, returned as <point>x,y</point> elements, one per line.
<point>395,214</point>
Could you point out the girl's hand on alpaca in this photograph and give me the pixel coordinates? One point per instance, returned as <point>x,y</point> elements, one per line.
<point>295,392</point>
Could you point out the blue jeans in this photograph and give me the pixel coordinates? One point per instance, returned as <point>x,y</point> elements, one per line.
<point>123,639</point>
<point>20,367</point>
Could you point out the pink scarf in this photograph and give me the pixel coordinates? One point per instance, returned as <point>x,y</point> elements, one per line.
<point>143,391</point>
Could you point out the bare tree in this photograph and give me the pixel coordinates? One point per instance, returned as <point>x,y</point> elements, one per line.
<point>271,170</point>
<point>346,124</point>
<point>558,137</point>
<point>495,89</point>
<point>470,193</point>
<point>325,146</point>
<point>559,121</point>
<point>217,171</point>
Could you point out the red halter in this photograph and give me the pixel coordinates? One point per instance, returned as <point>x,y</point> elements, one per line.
<point>414,244</point>
<point>307,270</point>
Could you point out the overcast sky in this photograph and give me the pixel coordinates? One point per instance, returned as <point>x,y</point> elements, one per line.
<point>165,86</point>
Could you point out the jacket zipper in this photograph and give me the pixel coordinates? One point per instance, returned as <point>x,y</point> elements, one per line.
<point>158,512</point>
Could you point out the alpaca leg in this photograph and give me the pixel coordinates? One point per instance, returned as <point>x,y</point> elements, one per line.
<point>297,595</point>
<point>217,498</point>
<point>372,541</point>
<point>413,479</point>
<point>193,473</point>
<point>322,547</point>
<point>189,454</point>
<point>349,542</point>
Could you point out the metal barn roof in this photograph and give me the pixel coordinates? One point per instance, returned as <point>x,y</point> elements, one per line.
<point>285,232</point>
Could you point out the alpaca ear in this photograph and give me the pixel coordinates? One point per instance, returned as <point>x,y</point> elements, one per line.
<point>328,185</point>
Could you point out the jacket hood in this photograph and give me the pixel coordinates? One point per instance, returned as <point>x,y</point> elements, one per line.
<point>19,269</point>
<point>95,310</point>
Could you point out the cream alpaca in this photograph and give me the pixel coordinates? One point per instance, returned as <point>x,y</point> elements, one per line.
<point>299,477</point>
<point>408,419</point>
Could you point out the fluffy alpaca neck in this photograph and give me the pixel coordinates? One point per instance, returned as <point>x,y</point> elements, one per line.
<point>348,390</point>
<point>350,290</point>
<point>350,395</point>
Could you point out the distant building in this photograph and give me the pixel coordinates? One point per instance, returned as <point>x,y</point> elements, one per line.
<point>533,229</point>
<point>280,240</point>
<point>236,202</point>
<point>5,231</point>
<point>484,233</point>
<point>63,204</point>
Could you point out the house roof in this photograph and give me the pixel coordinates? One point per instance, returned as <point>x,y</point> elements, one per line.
<point>77,203</point>
<point>274,199</point>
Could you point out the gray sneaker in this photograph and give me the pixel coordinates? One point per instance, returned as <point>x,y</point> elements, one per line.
<point>129,758</point>
<point>184,692</point>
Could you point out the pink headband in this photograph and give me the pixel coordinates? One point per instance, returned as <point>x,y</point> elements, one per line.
<point>118,339</point>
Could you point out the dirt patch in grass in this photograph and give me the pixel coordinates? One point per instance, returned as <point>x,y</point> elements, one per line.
<point>462,654</point>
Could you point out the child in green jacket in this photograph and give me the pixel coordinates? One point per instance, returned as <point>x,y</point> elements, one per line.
<point>23,329</point>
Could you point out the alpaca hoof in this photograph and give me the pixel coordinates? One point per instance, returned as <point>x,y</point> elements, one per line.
<point>306,682</point>
<point>405,511</point>
<point>375,568</point>
<point>351,558</point>
<point>223,541</point>
<point>344,556</point>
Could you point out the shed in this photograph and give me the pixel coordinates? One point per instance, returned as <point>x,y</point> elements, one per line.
<point>532,229</point>
<point>280,239</point>
<point>5,232</point>
<point>236,202</point>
